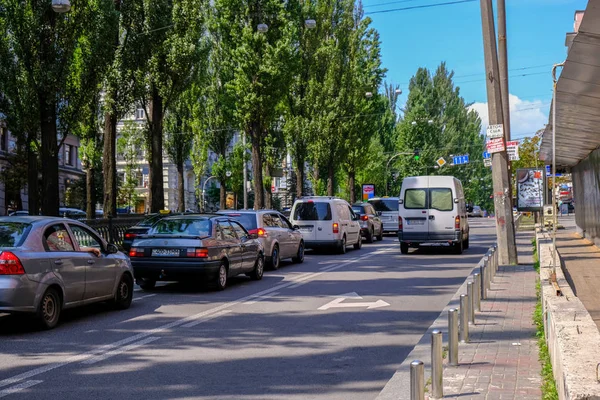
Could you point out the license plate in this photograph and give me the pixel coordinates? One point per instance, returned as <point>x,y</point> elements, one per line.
<point>415,222</point>
<point>306,228</point>
<point>165,252</point>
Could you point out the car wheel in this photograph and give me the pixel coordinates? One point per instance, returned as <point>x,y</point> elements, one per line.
<point>222,277</point>
<point>259,268</point>
<point>466,245</point>
<point>274,263</point>
<point>404,248</point>
<point>146,284</point>
<point>124,294</point>
<point>342,248</point>
<point>49,309</point>
<point>300,254</point>
<point>358,245</point>
<point>380,236</point>
<point>370,236</point>
<point>458,247</point>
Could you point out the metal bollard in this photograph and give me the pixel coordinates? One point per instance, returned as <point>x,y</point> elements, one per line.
<point>417,380</point>
<point>477,278</point>
<point>483,279</point>
<point>464,318</point>
<point>437,365</point>
<point>453,336</point>
<point>494,258</point>
<point>471,296</point>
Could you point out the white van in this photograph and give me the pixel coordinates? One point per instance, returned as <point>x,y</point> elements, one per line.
<point>432,209</point>
<point>326,222</point>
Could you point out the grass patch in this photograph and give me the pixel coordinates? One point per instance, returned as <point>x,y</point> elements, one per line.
<point>548,387</point>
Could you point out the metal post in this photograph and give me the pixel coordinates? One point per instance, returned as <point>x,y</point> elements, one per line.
<point>417,380</point>
<point>437,367</point>
<point>483,279</point>
<point>492,271</point>
<point>477,279</point>
<point>245,169</point>
<point>471,296</point>
<point>453,337</point>
<point>464,318</point>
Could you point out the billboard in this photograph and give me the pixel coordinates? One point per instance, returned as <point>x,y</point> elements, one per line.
<point>531,185</point>
<point>368,191</point>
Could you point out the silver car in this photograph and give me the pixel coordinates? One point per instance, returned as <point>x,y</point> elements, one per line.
<point>278,236</point>
<point>48,264</point>
<point>387,207</point>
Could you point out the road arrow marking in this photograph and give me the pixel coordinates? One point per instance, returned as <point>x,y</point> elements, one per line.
<point>351,295</point>
<point>338,303</point>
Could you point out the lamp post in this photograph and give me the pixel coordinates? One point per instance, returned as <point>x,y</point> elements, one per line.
<point>204,191</point>
<point>61,6</point>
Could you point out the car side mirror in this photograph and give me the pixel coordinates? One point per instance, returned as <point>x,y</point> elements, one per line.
<point>456,201</point>
<point>112,249</point>
<point>296,227</point>
<point>400,201</point>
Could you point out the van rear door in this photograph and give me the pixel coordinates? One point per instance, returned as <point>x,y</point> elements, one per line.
<point>441,214</point>
<point>415,224</point>
<point>314,219</point>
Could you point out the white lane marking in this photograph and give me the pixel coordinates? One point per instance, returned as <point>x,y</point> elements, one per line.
<point>208,318</point>
<point>144,297</point>
<point>267,296</point>
<point>107,347</point>
<point>18,388</point>
<point>118,351</point>
<point>339,303</point>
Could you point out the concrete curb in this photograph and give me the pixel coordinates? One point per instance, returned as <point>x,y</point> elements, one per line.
<point>572,336</point>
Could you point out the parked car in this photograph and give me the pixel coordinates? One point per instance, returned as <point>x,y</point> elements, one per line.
<point>48,264</point>
<point>327,222</point>
<point>276,234</point>
<point>142,228</point>
<point>370,222</point>
<point>19,213</point>
<point>388,207</point>
<point>433,210</point>
<point>72,213</point>
<point>475,211</point>
<point>185,247</point>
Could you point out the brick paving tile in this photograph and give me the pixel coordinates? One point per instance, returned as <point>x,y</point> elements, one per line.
<point>501,360</point>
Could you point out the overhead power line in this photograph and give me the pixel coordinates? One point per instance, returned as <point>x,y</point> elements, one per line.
<point>449,3</point>
<point>387,3</point>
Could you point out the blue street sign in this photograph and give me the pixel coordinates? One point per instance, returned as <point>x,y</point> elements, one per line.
<point>458,160</point>
<point>486,155</point>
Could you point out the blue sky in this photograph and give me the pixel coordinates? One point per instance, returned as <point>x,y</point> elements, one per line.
<point>425,37</point>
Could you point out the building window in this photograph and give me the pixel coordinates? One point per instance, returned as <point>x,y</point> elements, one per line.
<point>139,113</point>
<point>69,149</point>
<point>3,139</point>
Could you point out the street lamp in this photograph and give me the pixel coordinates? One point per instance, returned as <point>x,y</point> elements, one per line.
<point>61,6</point>
<point>310,23</point>
<point>368,95</point>
<point>262,28</point>
<point>398,91</point>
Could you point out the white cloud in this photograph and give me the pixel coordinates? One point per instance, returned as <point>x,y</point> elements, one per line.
<point>526,117</point>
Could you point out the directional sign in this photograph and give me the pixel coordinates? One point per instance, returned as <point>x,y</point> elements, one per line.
<point>441,162</point>
<point>339,303</point>
<point>458,160</point>
<point>495,131</point>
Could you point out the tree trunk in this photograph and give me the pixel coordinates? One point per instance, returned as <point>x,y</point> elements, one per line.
<point>257,173</point>
<point>50,191</point>
<point>352,183</point>
<point>90,193</point>
<point>109,164</point>
<point>157,201</point>
<point>181,187</point>
<point>330,180</point>
<point>267,186</point>
<point>299,178</point>
<point>33,180</point>
<point>222,195</point>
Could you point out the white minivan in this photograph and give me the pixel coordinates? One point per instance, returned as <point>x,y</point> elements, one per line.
<point>432,210</point>
<point>326,222</point>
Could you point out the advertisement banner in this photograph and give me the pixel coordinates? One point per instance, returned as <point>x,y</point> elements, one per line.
<point>495,145</point>
<point>531,184</point>
<point>368,191</point>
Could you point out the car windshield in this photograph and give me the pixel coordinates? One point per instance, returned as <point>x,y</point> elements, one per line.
<point>384,205</point>
<point>12,234</point>
<point>311,211</point>
<point>151,220</point>
<point>248,221</point>
<point>183,226</point>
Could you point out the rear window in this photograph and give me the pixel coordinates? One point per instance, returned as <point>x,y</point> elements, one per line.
<point>415,199</point>
<point>12,234</point>
<point>385,205</point>
<point>357,209</point>
<point>149,221</point>
<point>312,212</point>
<point>183,226</point>
<point>441,199</point>
<point>248,221</point>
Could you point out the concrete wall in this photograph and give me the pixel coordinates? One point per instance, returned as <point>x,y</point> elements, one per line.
<point>586,186</point>
<point>571,334</point>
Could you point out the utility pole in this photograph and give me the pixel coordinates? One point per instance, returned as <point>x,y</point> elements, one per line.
<point>502,201</point>
<point>245,171</point>
<point>503,64</point>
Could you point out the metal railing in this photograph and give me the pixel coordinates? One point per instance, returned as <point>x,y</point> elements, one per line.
<point>113,229</point>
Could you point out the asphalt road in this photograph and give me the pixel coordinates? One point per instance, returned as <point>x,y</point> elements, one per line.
<point>335,327</point>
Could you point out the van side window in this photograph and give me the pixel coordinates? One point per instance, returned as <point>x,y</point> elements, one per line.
<point>441,199</point>
<point>415,199</point>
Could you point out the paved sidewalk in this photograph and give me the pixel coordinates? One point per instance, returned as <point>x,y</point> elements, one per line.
<point>501,360</point>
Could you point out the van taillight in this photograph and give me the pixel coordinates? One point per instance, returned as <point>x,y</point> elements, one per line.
<point>336,227</point>
<point>399,224</point>
<point>457,222</point>
<point>10,264</point>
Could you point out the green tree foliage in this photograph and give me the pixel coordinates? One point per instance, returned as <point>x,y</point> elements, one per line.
<point>129,146</point>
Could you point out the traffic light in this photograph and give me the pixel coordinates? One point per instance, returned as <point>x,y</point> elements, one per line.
<point>417,154</point>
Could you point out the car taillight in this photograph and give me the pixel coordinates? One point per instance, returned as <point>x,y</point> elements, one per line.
<point>129,235</point>
<point>457,222</point>
<point>399,224</point>
<point>260,232</point>
<point>135,252</point>
<point>336,227</point>
<point>364,218</point>
<point>10,264</point>
<point>197,252</point>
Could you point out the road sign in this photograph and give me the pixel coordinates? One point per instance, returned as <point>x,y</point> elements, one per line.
<point>495,145</point>
<point>339,303</point>
<point>487,162</point>
<point>441,162</point>
<point>486,155</point>
<point>495,131</point>
<point>512,148</point>
<point>458,160</point>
